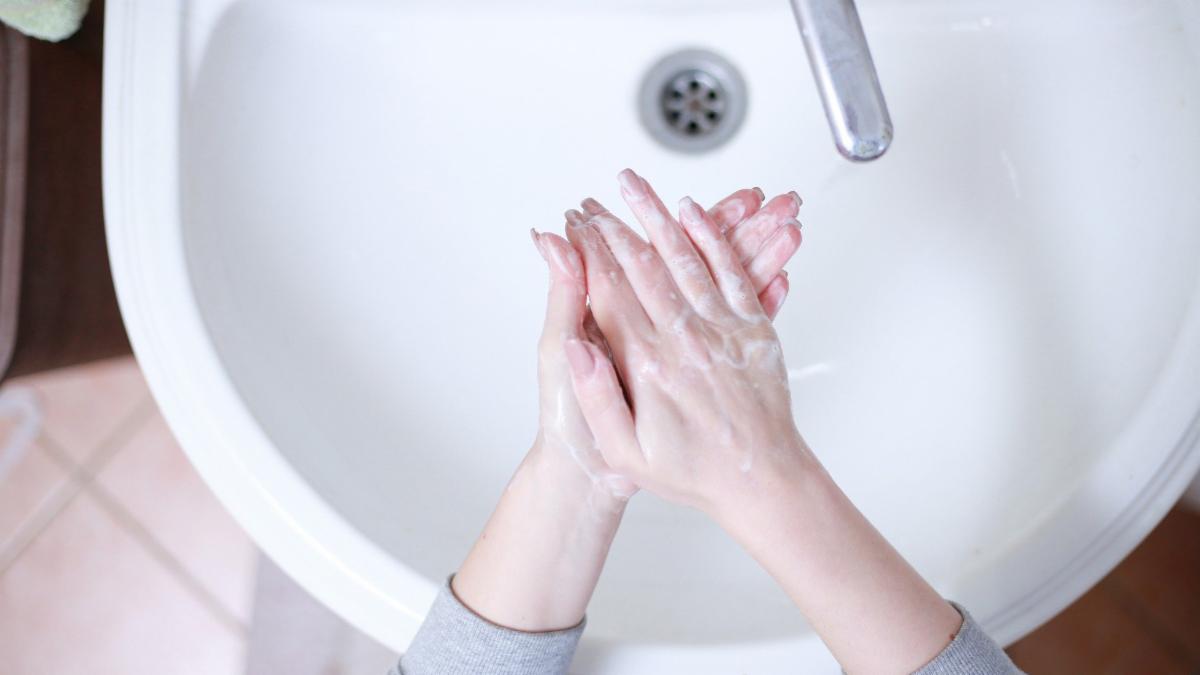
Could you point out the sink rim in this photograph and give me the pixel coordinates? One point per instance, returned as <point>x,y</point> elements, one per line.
<point>318,547</point>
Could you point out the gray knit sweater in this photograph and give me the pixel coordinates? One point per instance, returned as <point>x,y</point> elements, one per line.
<point>456,641</point>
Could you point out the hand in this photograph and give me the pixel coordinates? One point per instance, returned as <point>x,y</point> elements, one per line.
<point>693,346</point>
<point>537,562</point>
<point>708,423</point>
<point>563,432</point>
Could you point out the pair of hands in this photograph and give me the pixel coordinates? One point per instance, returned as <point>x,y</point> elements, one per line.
<point>679,327</point>
<point>683,322</point>
<point>659,369</point>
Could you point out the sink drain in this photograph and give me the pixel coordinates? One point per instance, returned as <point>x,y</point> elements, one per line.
<point>692,101</point>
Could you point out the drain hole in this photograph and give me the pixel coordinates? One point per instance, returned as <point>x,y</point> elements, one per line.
<point>692,101</point>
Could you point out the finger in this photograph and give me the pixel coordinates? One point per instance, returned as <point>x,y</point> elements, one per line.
<point>567,298</point>
<point>774,254</point>
<point>722,262</point>
<point>749,236</point>
<point>771,298</point>
<point>621,239</point>
<point>593,334</point>
<point>735,208</point>
<point>590,330</point>
<point>592,207</point>
<point>603,404</point>
<point>684,264</point>
<point>653,216</point>
<point>617,310</point>
<point>642,265</point>
<point>574,218</point>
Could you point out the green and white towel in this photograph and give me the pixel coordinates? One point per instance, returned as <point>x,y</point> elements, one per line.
<point>46,19</point>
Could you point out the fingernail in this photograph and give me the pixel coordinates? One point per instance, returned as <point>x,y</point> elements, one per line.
<point>537,243</point>
<point>793,221</point>
<point>693,220</point>
<point>796,197</point>
<point>783,273</point>
<point>579,357</point>
<point>574,218</point>
<point>628,180</point>
<point>687,217</point>
<point>759,191</point>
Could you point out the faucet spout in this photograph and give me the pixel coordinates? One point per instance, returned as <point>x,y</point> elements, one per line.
<point>846,78</point>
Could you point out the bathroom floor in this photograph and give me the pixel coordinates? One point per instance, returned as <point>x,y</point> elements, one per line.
<point>114,554</point>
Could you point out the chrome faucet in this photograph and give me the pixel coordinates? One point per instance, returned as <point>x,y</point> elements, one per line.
<point>841,65</point>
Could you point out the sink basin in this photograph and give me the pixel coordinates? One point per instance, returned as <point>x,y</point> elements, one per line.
<point>317,218</point>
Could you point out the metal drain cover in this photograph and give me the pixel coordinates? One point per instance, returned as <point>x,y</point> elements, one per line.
<point>692,100</point>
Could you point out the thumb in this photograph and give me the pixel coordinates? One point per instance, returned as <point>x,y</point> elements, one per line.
<point>774,294</point>
<point>603,404</point>
<point>567,298</point>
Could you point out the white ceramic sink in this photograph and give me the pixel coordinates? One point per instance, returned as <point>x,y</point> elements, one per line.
<point>318,217</point>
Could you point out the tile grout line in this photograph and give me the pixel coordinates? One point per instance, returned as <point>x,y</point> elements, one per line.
<point>79,474</point>
<point>44,514</point>
<point>95,461</point>
<point>160,553</point>
<point>83,478</point>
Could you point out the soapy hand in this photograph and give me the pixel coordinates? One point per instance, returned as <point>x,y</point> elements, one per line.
<point>536,563</point>
<point>677,384</point>
<point>564,438</point>
<point>708,418</point>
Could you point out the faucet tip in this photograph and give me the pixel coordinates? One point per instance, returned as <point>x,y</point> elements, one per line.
<point>859,149</point>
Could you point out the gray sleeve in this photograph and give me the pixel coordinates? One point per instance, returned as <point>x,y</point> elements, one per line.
<point>456,641</point>
<point>971,652</point>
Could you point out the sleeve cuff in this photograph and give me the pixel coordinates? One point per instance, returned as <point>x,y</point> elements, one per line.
<point>454,640</point>
<point>971,651</point>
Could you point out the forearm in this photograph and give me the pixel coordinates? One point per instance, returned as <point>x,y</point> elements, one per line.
<point>539,557</point>
<point>871,608</point>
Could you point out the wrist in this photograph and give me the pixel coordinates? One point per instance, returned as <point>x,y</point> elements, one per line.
<point>779,482</point>
<point>537,562</point>
<point>870,607</point>
<point>553,471</point>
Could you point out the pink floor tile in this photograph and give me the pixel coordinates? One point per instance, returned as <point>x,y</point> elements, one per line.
<point>86,597</point>
<point>27,475</point>
<point>27,487</point>
<point>152,478</point>
<point>84,405</point>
